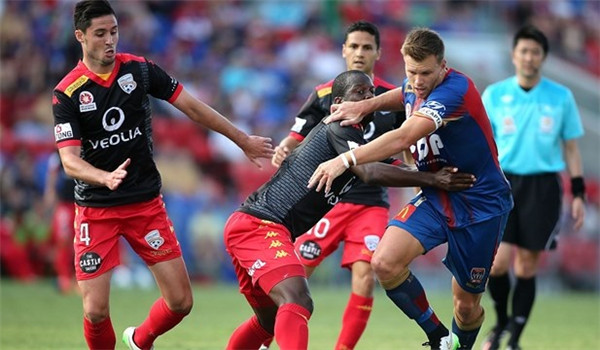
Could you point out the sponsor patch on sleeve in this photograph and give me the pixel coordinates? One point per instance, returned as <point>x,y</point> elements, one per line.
<point>63,131</point>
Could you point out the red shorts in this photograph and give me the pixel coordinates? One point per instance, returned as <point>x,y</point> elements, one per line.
<point>144,225</point>
<point>263,255</point>
<point>62,222</point>
<point>359,226</point>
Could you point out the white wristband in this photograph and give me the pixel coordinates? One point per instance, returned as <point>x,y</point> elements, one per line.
<point>353,157</point>
<point>346,164</point>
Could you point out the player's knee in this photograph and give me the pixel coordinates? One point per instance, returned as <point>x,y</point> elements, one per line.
<point>96,315</point>
<point>467,312</point>
<point>384,269</point>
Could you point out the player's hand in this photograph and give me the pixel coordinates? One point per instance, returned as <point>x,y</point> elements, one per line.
<point>257,147</point>
<point>115,178</point>
<point>578,212</point>
<point>325,174</point>
<point>281,152</point>
<point>449,179</point>
<point>349,112</point>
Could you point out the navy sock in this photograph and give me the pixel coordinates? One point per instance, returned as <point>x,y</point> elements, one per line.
<point>466,338</point>
<point>410,297</point>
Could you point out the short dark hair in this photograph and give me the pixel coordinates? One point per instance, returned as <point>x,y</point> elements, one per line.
<point>363,26</point>
<point>86,10</point>
<point>531,32</point>
<point>344,81</point>
<point>421,42</point>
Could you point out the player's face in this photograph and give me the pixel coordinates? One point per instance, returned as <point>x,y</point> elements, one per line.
<point>424,75</point>
<point>99,43</point>
<point>360,52</point>
<point>528,56</point>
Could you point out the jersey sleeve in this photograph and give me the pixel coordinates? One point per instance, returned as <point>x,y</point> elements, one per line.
<point>67,130</point>
<point>444,102</point>
<point>310,114</point>
<point>161,84</point>
<point>572,127</point>
<point>344,138</point>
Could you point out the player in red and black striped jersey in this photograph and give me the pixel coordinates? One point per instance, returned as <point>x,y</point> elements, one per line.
<point>104,135</point>
<point>361,217</point>
<point>259,235</point>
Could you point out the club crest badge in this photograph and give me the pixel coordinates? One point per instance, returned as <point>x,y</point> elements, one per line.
<point>371,242</point>
<point>154,239</point>
<point>127,83</point>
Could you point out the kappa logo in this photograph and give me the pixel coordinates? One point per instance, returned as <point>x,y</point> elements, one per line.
<point>281,254</point>
<point>271,234</point>
<point>275,244</point>
<point>126,83</point>
<point>154,239</point>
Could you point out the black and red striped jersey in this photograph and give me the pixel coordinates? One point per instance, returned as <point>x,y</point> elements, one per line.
<point>285,198</point>
<point>111,121</point>
<point>317,107</point>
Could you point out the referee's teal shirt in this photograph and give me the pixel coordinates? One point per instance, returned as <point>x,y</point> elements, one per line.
<point>530,126</point>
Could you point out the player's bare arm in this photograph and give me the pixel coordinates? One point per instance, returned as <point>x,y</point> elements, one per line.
<point>285,147</point>
<point>353,112</point>
<point>382,174</point>
<point>573,159</point>
<point>78,168</point>
<point>385,146</point>
<point>254,147</point>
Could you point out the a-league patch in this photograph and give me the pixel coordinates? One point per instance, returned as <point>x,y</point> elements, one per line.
<point>405,213</point>
<point>154,239</point>
<point>63,131</point>
<point>310,250</point>
<point>371,242</point>
<point>90,262</point>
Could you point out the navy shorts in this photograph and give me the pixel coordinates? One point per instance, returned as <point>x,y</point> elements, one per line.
<point>471,249</point>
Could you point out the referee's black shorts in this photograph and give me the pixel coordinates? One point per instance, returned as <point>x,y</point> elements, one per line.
<point>533,222</point>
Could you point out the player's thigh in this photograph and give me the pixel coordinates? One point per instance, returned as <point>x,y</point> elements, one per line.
<point>363,234</point>
<point>96,242</point>
<point>95,294</point>
<point>149,231</point>
<point>324,237</point>
<point>471,252</point>
<point>174,283</point>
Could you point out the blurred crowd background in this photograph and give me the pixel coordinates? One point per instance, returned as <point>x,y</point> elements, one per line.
<point>256,62</point>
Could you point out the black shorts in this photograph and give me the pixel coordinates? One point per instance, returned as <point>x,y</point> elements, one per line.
<point>533,222</point>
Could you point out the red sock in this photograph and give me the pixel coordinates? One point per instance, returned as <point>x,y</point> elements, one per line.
<point>291,327</point>
<point>249,335</point>
<point>354,321</point>
<point>159,320</point>
<point>99,335</point>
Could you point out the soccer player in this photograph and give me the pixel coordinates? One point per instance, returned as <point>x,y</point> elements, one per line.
<point>360,218</point>
<point>259,235</point>
<point>447,126</point>
<point>532,117</point>
<point>59,195</point>
<point>103,132</point>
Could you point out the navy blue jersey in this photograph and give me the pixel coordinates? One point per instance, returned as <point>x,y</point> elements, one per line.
<point>463,139</point>
<point>285,199</point>
<point>318,106</point>
<point>111,121</point>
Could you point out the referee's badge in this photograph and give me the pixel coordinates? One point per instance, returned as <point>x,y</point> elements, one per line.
<point>127,83</point>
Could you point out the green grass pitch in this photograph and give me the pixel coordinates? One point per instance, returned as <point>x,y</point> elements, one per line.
<point>36,317</point>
